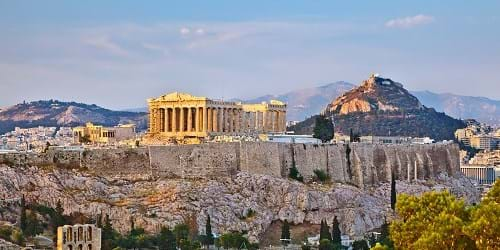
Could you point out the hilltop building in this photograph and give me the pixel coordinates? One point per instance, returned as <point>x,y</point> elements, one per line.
<point>182,117</point>
<point>99,134</point>
<point>78,237</point>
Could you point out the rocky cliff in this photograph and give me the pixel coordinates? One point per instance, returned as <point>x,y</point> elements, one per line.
<point>167,185</point>
<point>168,201</point>
<point>56,113</point>
<point>381,106</point>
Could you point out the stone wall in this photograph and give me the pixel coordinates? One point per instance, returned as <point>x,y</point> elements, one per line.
<point>358,164</point>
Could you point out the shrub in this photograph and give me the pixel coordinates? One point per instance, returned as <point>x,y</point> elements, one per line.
<point>321,175</point>
<point>295,174</point>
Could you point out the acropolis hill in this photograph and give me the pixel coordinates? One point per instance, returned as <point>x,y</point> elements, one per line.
<point>243,186</point>
<point>167,185</point>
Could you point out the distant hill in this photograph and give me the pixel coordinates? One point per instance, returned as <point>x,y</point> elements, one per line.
<point>303,103</point>
<point>57,113</point>
<point>380,106</point>
<point>307,102</point>
<point>462,107</point>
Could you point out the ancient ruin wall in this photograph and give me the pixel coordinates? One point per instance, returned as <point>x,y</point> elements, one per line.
<point>358,164</point>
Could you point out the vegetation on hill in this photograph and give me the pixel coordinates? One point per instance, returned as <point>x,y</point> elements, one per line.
<point>55,113</point>
<point>382,107</point>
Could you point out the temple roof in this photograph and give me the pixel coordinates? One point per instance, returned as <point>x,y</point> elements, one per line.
<point>176,96</point>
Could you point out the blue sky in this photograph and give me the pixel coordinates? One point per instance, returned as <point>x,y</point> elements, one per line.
<point>118,53</point>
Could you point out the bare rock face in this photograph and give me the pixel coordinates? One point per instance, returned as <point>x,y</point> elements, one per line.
<point>375,94</point>
<point>229,201</point>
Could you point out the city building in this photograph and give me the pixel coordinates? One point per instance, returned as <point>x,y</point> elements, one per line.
<point>287,138</point>
<point>484,142</point>
<point>384,139</point>
<point>78,237</point>
<point>181,117</point>
<point>480,173</point>
<point>99,134</point>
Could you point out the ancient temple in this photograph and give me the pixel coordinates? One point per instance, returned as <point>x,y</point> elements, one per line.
<point>179,116</point>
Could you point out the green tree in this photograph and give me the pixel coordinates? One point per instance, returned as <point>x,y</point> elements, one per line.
<point>233,240</point>
<point>166,239</point>
<point>108,234</point>
<point>295,174</point>
<point>23,220</point>
<point>385,238</point>
<point>285,233</point>
<point>323,128</point>
<point>321,175</point>
<point>33,226</point>
<point>209,237</point>
<point>324,232</point>
<point>57,218</point>
<point>393,192</point>
<point>325,244</point>
<point>434,220</point>
<point>360,245</point>
<point>336,234</point>
<point>379,246</point>
<point>484,227</point>
<point>181,232</point>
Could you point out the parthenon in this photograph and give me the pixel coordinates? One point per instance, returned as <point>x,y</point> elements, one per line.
<point>179,116</point>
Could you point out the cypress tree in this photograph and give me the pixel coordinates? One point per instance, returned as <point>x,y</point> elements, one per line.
<point>209,240</point>
<point>58,216</point>
<point>166,239</point>
<point>285,232</point>
<point>393,192</point>
<point>336,239</point>
<point>324,232</point>
<point>24,220</point>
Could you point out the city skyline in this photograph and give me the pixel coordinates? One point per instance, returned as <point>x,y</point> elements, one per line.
<point>110,52</point>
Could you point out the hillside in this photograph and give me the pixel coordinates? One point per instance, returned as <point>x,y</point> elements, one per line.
<point>462,107</point>
<point>380,106</point>
<point>307,102</point>
<point>56,113</point>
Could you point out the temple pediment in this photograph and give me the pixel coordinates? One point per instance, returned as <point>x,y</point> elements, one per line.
<point>176,97</point>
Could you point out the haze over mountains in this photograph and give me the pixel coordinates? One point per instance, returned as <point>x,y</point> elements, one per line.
<point>302,103</point>
<point>307,102</point>
<point>56,113</point>
<point>381,107</point>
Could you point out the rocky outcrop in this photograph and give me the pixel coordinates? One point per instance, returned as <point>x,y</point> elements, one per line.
<point>168,201</point>
<point>382,107</point>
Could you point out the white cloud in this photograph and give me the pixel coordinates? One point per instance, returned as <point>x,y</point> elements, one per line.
<point>409,22</point>
<point>200,31</point>
<point>184,31</point>
<point>104,43</point>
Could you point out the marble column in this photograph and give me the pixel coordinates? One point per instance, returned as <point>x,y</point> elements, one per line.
<point>174,119</point>
<point>210,119</point>
<point>205,117</point>
<point>230,120</point>
<point>162,120</point>
<point>189,119</point>
<point>165,121</point>
<point>197,119</point>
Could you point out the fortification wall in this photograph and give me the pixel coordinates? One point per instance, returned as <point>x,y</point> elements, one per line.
<point>359,164</point>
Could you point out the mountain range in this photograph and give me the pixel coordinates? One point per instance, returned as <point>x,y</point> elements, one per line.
<point>307,102</point>
<point>381,107</point>
<point>56,113</point>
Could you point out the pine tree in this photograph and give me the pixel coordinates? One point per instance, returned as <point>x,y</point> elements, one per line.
<point>323,128</point>
<point>166,239</point>
<point>24,220</point>
<point>336,234</point>
<point>324,233</point>
<point>58,216</point>
<point>393,192</point>
<point>285,233</point>
<point>99,221</point>
<point>209,237</point>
